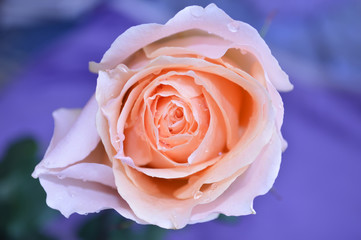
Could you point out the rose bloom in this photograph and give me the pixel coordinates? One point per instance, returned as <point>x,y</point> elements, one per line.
<point>184,125</point>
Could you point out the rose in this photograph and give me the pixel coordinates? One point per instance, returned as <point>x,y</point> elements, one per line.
<point>184,125</point>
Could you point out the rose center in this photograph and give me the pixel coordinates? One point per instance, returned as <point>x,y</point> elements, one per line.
<point>177,122</point>
<point>178,113</point>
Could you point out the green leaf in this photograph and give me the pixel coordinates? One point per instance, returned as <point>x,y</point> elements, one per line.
<point>154,232</point>
<point>24,213</point>
<point>228,219</point>
<point>109,225</point>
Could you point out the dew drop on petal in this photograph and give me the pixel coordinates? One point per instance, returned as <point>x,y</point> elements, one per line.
<point>197,195</point>
<point>208,199</point>
<point>233,26</point>
<point>214,186</point>
<point>122,68</point>
<point>61,176</point>
<point>197,12</point>
<point>220,153</point>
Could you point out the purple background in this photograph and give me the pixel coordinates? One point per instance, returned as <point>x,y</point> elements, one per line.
<point>317,194</point>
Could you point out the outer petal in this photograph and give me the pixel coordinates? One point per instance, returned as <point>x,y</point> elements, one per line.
<point>108,95</point>
<point>70,195</point>
<point>94,168</point>
<point>71,127</point>
<point>82,181</point>
<point>166,213</point>
<point>85,187</point>
<point>212,20</point>
<point>257,180</point>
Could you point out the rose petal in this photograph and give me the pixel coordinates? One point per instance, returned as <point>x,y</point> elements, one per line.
<point>230,104</point>
<point>95,168</point>
<point>85,187</point>
<point>257,180</point>
<point>173,173</point>
<point>70,196</point>
<point>71,126</point>
<point>214,140</point>
<point>261,123</point>
<point>212,20</point>
<point>166,213</point>
<point>172,213</point>
<point>193,41</point>
<point>109,98</point>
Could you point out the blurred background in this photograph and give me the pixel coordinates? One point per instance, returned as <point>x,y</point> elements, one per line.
<point>45,47</point>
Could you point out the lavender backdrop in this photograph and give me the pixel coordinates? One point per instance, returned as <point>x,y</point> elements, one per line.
<point>317,193</point>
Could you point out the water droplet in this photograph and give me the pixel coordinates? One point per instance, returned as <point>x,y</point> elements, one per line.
<point>122,68</point>
<point>197,12</point>
<point>197,195</point>
<point>220,153</point>
<point>233,26</point>
<point>207,150</point>
<point>243,51</point>
<point>61,176</point>
<point>214,186</point>
<point>207,199</point>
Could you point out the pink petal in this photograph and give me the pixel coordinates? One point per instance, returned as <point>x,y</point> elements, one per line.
<point>71,195</point>
<point>164,212</point>
<point>257,180</point>
<point>72,127</point>
<point>109,97</point>
<point>212,20</point>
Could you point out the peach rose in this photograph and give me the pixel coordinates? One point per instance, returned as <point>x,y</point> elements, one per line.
<point>184,125</point>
